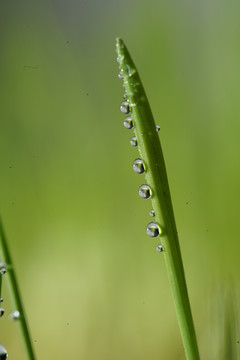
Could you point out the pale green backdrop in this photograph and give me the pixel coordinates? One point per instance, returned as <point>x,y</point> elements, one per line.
<point>93,285</point>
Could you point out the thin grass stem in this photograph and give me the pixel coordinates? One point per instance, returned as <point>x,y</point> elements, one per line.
<point>156,176</point>
<point>15,294</point>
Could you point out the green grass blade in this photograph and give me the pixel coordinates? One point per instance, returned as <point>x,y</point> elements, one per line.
<point>15,294</point>
<point>151,153</point>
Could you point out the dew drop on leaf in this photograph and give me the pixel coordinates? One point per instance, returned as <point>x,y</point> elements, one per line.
<point>133,141</point>
<point>159,248</point>
<point>138,166</point>
<point>153,229</point>
<point>124,107</point>
<point>3,352</point>
<point>152,213</point>
<point>157,128</point>
<point>128,123</point>
<point>144,191</point>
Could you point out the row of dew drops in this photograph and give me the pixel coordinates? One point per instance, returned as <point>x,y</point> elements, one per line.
<point>14,315</point>
<point>153,229</point>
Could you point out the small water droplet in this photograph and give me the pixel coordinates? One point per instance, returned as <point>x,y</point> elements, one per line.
<point>118,60</point>
<point>138,166</point>
<point>157,128</point>
<point>152,213</point>
<point>128,123</point>
<point>120,75</point>
<point>124,107</point>
<point>125,95</point>
<point>144,191</point>
<point>1,300</point>
<point>15,315</point>
<point>133,141</point>
<point>3,352</point>
<point>3,269</point>
<point>153,229</point>
<point>159,248</point>
<point>1,311</point>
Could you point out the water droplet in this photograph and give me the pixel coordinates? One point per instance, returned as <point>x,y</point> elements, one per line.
<point>138,166</point>
<point>159,248</point>
<point>3,269</point>
<point>128,123</point>
<point>144,191</point>
<point>1,311</point>
<point>3,352</point>
<point>157,128</point>
<point>15,315</point>
<point>153,229</point>
<point>118,60</point>
<point>125,95</point>
<point>133,141</point>
<point>1,300</point>
<point>152,213</point>
<point>120,75</point>
<point>124,107</point>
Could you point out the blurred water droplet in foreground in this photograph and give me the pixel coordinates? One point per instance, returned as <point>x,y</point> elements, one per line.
<point>3,352</point>
<point>3,269</point>
<point>124,107</point>
<point>133,141</point>
<point>138,166</point>
<point>1,311</point>
<point>144,191</point>
<point>128,123</point>
<point>15,315</point>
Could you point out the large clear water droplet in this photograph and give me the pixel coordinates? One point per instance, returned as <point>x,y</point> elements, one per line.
<point>157,128</point>
<point>15,315</point>
<point>159,248</point>
<point>133,141</point>
<point>144,191</point>
<point>152,213</point>
<point>138,166</point>
<point>128,123</point>
<point>3,353</point>
<point>1,311</point>
<point>153,229</point>
<point>124,107</point>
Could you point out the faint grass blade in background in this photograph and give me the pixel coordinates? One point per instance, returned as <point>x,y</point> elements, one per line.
<point>18,313</point>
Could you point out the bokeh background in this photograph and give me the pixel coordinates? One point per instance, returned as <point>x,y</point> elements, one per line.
<point>93,285</point>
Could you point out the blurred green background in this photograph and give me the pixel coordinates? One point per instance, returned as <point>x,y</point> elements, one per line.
<point>93,285</point>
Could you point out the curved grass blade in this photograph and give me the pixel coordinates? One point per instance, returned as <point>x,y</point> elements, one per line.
<point>151,153</point>
<point>15,294</point>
